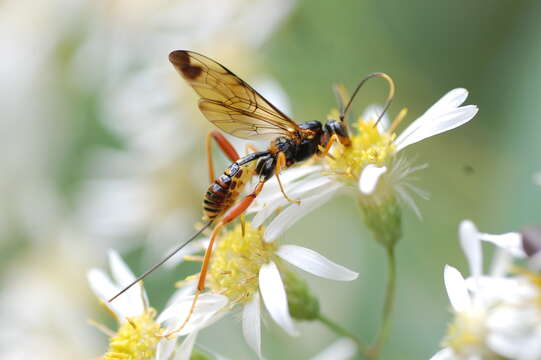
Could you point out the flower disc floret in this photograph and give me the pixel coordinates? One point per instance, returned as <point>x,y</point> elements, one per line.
<point>235,265</point>
<point>466,333</point>
<point>136,339</point>
<point>369,146</point>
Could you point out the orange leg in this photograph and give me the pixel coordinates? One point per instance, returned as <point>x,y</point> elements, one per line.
<point>250,148</point>
<point>325,151</point>
<point>237,210</point>
<point>281,164</point>
<point>226,147</point>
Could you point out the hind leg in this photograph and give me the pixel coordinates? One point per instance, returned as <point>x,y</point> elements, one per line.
<point>281,164</point>
<point>237,210</point>
<point>224,145</point>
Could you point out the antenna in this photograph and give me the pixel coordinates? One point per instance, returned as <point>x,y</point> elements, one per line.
<point>161,262</point>
<point>390,97</point>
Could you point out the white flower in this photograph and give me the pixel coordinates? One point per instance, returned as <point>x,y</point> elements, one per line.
<point>248,270</point>
<point>490,310</point>
<point>139,330</point>
<point>341,349</point>
<point>370,167</point>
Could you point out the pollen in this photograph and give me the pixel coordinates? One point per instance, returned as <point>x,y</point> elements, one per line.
<point>465,334</point>
<point>235,264</point>
<point>368,146</point>
<point>136,339</point>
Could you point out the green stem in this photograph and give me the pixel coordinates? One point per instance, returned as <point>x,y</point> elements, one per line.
<point>337,329</point>
<point>387,308</point>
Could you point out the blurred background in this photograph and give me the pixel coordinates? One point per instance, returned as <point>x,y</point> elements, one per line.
<point>102,146</point>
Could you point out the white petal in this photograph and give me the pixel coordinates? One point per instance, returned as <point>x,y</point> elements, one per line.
<point>373,112</point>
<point>368,180</point>
<point>490,290</point>
<point>165,348</point>
<point>315,263</point>
<point>341,349</point>
<point>299,191</point>
<point>206,302</point>
<point>471,245</point>
<point>443,123</point>
<point>449,101</point>
<point>452,99</point>
<point>442,116</point>
<point>251,324</point>
<point>120,271</point>
<point>206,309</point>
<point>444,354</point>
<point>456,289</point>
<point>104,289</point>
<point>292,214</point>
<point>293,178</point>
<point>274,296</point>
<point>185,349</point>
<point>187,289</point>
<point>135,297</point>
<point>501,260</point>
<point>512,242</point>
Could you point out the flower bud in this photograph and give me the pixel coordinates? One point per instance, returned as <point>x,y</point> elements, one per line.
<point>303,305</point>
<point>384,219</point>
<point>531,239</point>
<point>197,355</point>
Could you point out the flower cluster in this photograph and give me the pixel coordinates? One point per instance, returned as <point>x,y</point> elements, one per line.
<point>496,315</point>
<point>250,268</point>
<point>247,269</point>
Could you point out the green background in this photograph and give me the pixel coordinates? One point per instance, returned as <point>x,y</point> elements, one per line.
<point>481,171</point>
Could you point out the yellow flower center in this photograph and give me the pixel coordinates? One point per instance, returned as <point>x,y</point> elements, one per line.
<point>136,339</point>
<point>465,335</point>
<point>534,279</point>
<point>235,264</point>
<point>369,146</point>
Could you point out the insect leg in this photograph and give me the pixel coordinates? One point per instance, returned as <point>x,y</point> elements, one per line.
<point>325,150</point>
<point>280,163</point>
<point>237,210</point>
<point>251,148</point>
<point>226,147</point>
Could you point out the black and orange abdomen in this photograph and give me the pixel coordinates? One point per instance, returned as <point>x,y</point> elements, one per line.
<point>225,190</point>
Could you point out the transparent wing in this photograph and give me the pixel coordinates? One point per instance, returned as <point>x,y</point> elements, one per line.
<point>228,102</point>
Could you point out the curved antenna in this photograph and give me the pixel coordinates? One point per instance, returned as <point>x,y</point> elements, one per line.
<point>390,97</point>
<point>341,95</point>
<point>161,262</point>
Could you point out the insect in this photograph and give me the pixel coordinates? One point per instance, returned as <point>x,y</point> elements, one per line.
<point>239,110</point>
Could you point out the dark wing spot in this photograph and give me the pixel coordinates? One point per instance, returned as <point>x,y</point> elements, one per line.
<point>181,60</point>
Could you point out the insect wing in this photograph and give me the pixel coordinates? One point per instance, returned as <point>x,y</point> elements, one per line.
<point>228,102</point>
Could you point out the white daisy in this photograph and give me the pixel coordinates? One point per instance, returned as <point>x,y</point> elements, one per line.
<point>248,271</point>
<point>139,330</point>
<point>474,332</point>
<point>371,166</point>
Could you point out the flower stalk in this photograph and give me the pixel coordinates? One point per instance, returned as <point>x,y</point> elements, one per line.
<point>390,295</point>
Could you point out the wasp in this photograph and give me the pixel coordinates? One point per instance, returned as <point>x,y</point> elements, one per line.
<point>237,109</point>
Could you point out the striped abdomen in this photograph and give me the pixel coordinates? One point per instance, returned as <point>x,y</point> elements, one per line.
<point>225,190</point>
